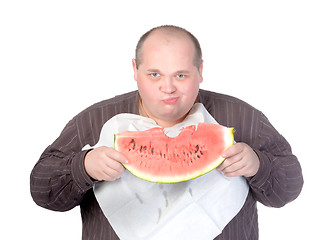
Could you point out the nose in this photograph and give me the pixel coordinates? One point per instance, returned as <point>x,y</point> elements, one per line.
<point>167,85</point>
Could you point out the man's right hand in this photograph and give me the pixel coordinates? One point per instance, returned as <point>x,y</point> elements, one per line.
<point>104,164</point>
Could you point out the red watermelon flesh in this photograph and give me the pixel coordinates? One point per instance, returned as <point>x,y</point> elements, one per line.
<point>155,157</point>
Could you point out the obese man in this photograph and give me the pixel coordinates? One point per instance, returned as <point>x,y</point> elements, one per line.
<point>168,71</point>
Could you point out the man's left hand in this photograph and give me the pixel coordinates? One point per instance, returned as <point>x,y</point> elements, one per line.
<point>241,160</point>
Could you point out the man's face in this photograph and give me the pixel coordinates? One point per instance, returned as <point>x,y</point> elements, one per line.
<point>167,79</point>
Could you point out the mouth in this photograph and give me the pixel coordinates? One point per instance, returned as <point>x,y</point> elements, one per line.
<point>171,100</point>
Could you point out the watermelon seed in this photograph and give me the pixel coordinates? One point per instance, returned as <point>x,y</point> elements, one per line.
<point>201,152</point>
<point>145,147</point>
<point>141,149</point>
<point>152,150</point>
<point>197,147</point>
<point>133,141</point>
<point>198,156</point>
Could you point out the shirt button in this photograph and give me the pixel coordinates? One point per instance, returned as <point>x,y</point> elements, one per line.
<point>87,184</point>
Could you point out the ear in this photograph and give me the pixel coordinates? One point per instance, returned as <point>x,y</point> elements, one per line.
<point>201,73</point>
<point>134,69</point>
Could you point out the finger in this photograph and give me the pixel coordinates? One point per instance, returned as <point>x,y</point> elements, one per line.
<point>114,165</point>
<point>236,173</point>
<point>115,155</point>
<point>232,150</point>
<point>108,178</point>
<point>111,174</point>
<point>234,167</point>
<point>230,161</point>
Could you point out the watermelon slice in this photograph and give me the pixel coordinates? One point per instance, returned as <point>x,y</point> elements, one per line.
<point>155,157</point>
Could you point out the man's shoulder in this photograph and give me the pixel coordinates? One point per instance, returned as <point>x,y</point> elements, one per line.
<point>125,98</point>
<point>209,97</point>
<point>123,103</point>
<point>232,112</point>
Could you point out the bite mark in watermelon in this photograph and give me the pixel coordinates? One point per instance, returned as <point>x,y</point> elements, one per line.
<point>155,157</point>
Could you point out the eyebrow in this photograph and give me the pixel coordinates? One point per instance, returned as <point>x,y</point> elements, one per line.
<point>177,72</point>
<point>182,72</point>
<point>153,70</point>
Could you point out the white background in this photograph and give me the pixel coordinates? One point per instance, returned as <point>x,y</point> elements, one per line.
<point>59,57</point>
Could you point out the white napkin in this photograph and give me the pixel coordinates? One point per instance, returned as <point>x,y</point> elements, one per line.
<point>142,210</point>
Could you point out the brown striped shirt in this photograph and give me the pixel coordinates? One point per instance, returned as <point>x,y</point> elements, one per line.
<point>59,181</point>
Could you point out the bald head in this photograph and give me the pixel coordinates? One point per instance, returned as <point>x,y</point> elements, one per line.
<point>167,33</point>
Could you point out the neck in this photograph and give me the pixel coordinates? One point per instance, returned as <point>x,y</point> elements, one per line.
<point>162,123</point>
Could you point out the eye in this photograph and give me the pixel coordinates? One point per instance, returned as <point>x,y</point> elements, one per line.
<point>155,75</point>
<point>181,76</point>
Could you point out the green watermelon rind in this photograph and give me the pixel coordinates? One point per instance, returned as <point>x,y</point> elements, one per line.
<point>171,179</point>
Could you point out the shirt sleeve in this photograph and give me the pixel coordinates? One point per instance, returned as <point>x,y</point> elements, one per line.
<point>59,181</point>
<point>279,179</point>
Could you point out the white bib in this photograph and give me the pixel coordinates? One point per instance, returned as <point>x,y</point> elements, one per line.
<point>142,210</point>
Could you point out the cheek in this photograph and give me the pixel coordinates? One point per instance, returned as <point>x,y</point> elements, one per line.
<point>190,89</point>
<point>147,90</point>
